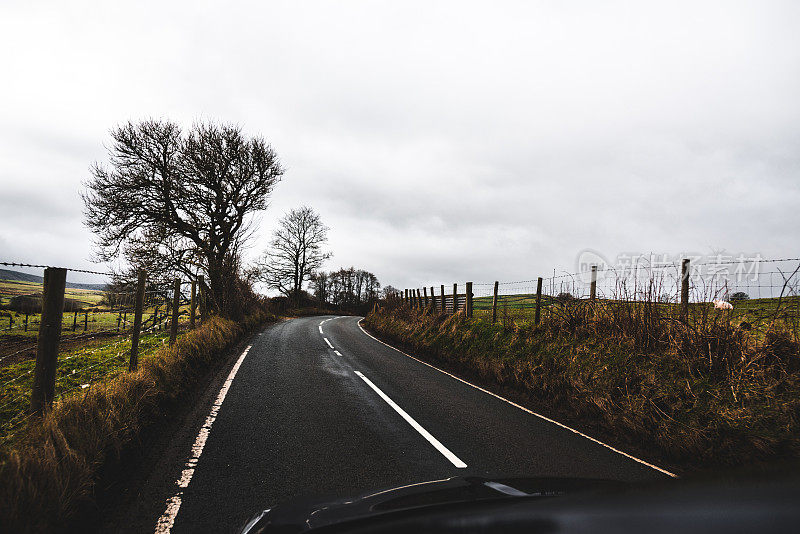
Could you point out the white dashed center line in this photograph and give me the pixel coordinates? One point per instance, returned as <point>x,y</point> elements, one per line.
<point>455,460</point>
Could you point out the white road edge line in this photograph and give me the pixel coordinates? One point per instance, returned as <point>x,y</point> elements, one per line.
<point>540,416</point>
<point>325,321</point>
<point>328,342</point>
<point>455,460</point>
<point>336,352</point>
<point>167,519</point>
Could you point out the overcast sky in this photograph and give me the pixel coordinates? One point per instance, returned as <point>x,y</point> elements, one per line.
<point>440,141</point>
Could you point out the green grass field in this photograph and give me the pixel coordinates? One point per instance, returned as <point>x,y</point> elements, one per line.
<point>15,288</point>
<point>14,322</point>
<point>512,301</point>
<point>94,315</point>
<point>97,359</point>
<point>521,309</point>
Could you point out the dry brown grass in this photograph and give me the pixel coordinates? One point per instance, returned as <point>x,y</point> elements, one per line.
<point>694,396</point>
<point>49,473</point>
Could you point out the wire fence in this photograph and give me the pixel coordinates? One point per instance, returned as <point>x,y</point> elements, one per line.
<point>88,314</point>
<point>753,288</point>
<point>96,331</point>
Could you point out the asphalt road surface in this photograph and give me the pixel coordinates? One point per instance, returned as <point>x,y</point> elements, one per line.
<point>317,407</point>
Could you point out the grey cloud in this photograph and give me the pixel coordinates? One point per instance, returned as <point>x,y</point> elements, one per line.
<point>439,141</point>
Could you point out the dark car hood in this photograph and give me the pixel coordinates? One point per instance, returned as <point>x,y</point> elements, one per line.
<point>303,515</point>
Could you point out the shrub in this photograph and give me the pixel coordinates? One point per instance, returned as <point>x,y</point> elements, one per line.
<point>25,304</point>
<point>565,297</point>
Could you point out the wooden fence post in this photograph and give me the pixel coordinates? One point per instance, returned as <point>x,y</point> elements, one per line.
<point>137,320</point>
<point>444,301</point>
<point>176,304</point>
<point>26,321</point>
<point>433,299</point>
<point>405,296</point>
<point>193,304</point>
<point>74,321</point>
<point>494,302</point>
<point>86,320</point>
<point>469,299</point>
<point>419,298</point>
<point>593,286</point>
<point>685,290</point>
<point>538,300</point>
<point>455,298</point>
<point>425,296</point>
<point>44,375</point>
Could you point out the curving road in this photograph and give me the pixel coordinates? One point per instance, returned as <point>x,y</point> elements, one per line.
<point>316,406</point>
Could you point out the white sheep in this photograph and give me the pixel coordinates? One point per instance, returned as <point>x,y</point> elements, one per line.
<point>722,305</point>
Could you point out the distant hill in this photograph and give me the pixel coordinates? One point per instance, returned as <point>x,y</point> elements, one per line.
<point>6,274</point>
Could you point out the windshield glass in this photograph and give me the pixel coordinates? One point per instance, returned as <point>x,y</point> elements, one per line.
<point>358,261</point>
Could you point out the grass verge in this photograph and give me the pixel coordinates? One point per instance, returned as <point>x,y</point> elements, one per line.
<point>689,398</point>
<point>47,473</point>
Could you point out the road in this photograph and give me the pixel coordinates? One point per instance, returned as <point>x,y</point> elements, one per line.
<point>316,406</point>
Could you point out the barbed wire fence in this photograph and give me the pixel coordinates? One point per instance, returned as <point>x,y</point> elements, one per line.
<point>752,289</point>
<point>99,335</point>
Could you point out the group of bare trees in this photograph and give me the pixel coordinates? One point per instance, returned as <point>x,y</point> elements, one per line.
<point>297,254</point>
<point>345,288</point>
<point>182,203</point>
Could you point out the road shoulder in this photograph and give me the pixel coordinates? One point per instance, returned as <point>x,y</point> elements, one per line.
<point>132,497</point>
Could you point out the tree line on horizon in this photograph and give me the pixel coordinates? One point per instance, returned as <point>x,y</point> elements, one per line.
<point>349,288</point>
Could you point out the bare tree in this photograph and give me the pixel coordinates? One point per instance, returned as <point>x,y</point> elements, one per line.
<point>181,203</point>
<point>296,251</point>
